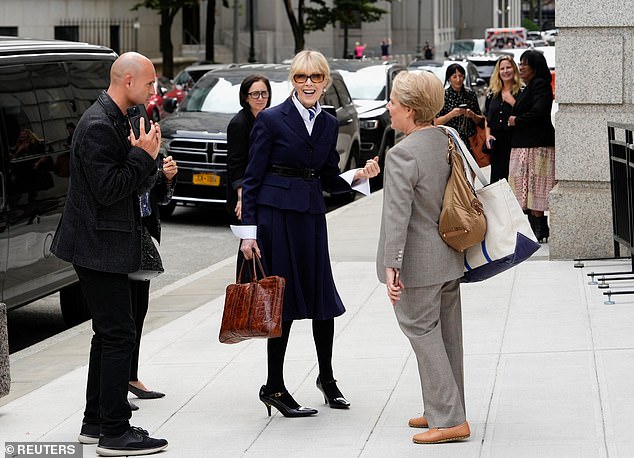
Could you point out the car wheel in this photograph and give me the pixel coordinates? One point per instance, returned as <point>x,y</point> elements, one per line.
<point>74,306</point>
<point>156,117</point>
<point>167,210</point>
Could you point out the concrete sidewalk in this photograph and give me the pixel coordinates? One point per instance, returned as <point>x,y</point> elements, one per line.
<point>548,368</point>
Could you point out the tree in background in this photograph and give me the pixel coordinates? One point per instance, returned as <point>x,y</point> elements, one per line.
<point>168,10</point>
<point>297,23</point>
<point>345,12</point>
<point>210,55</point>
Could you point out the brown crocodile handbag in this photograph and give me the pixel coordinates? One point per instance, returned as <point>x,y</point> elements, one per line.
<point>253,309</point>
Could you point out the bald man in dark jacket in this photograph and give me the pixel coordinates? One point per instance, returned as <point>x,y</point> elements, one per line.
<point>100,234</point>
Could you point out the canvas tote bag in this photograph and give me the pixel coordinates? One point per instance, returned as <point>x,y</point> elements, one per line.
<point>509,239</point>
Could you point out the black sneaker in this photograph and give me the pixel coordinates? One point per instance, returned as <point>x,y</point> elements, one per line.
<point>89,433</point>
<point>135,441</point>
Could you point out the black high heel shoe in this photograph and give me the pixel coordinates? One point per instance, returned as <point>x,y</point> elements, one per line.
<point>332,395</point>
<point>284,402</point>
<point>142,394</point>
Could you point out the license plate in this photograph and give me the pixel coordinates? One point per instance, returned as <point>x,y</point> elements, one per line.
<point>206,179</point>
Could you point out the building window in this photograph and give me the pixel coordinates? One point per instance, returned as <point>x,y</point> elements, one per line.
<point>67,32</point>
<point>9,31</point>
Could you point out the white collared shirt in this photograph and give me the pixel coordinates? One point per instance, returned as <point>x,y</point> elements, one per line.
<point>305,114</point>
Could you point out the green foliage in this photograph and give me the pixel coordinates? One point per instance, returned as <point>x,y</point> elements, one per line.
<point>530,25</point>
<point>161,5</point>
<point>342,11</point>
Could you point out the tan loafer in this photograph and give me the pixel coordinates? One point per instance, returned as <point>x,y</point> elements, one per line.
<point>438,435</point>
<point>418,422</point>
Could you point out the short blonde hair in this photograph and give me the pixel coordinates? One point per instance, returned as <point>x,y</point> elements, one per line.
<point>421,92</point>
<point>309,62</point>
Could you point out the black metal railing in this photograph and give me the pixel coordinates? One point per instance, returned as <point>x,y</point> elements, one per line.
<point>621,151</point>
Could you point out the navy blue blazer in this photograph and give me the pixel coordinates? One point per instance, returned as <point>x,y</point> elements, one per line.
<point>280,137</point>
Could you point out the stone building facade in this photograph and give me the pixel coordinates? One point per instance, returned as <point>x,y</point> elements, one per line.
<point>595,70</point>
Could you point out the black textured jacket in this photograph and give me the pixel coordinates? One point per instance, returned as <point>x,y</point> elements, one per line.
<point>533,126</point>
<point>100,228</point>
<point>238,144</point>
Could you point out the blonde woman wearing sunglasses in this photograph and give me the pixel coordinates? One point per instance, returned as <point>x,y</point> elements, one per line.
<point>293,157</point>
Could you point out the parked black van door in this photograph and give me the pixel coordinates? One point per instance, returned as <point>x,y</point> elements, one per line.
<point>35,190</point>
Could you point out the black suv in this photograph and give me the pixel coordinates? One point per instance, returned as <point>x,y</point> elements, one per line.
<point>370,84</point>
<point>45,86</point>
<point>196,135</point>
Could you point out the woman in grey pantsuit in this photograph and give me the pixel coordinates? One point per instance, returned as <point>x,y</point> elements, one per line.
<point>422,273</point>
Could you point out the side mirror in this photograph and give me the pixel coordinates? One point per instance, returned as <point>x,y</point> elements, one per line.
<point>479,82</point>
<point>170,104</point>
<point>329,109</point>
<point>162,91</point>
<point>446,54</point>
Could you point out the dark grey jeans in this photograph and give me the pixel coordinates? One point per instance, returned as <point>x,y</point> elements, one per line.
<point>111,348</point>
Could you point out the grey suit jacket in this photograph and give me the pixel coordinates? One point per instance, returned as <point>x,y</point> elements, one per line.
<point>416,173</point>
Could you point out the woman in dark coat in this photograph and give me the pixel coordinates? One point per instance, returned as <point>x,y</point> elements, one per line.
<point>532,163</point>
<point>293,157</point>
<point>504,87</point>
<point>150,199</point>
<point>255,96</point>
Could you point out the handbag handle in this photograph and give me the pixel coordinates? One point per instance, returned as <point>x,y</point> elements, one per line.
<point>466,155</point>
<point>252,268</point>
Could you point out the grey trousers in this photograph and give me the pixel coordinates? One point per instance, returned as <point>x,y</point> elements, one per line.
<point>431,318</point>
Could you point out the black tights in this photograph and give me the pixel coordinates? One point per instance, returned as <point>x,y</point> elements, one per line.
<point>323,335</point>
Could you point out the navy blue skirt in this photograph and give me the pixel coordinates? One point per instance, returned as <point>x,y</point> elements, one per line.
<point>294,245</point>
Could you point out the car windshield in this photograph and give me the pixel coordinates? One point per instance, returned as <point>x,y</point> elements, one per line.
<point>461,47</point>
<point>182,78</point>
<point>466,47</point>
<point>221,95</point>
<point>366,83</point>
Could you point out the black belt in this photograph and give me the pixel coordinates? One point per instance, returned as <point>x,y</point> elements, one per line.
<point>307,174</point>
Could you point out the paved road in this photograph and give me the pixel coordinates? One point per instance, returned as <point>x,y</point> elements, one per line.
<point>192,239</point>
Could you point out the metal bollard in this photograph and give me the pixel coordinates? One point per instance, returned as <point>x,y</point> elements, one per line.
<point>5,375</point>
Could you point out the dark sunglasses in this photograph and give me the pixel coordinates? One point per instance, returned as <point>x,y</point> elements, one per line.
<point>258,94</point>
<point>302,78</point>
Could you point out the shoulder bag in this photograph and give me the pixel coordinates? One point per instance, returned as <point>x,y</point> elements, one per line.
<point>478,147</point>
<point>462,223</point>
<point>151,263</point>
<point>253,309</point>
<point>509,239</point>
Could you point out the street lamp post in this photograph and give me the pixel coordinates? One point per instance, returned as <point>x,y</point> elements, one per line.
<point>136,26</point>
<point>418,45</point>
<point>251,32</point>
<point>235,30</point>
